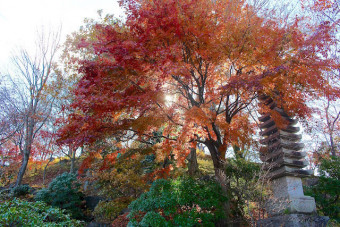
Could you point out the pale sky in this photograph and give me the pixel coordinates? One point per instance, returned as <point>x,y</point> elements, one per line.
<point>20,20</point>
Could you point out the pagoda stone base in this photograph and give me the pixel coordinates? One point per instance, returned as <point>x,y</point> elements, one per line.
<point>300,205</point>
<point>288,198</point>
<point>294,220</point>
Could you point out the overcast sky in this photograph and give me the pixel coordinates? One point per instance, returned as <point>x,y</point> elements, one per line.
<point>20,20</point>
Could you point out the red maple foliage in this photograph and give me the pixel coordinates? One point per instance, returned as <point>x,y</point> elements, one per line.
<point>190,69</point>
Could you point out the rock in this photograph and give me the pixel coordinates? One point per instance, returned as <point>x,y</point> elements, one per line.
<point>294,220</point>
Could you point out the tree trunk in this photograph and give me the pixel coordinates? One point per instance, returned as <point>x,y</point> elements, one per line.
<point>44,173</point>
<point>333,151</point>
<point>26,151</point>
<point>45,168</point>
<point>22,169</point>
<point>72,166</point>
<point>192,162</point>
<point>81,150</point>
<point>221,177</point>
<point>72,153</point>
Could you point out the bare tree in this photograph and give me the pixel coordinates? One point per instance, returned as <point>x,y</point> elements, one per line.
<point>9,114</point>
<point>32,97</point>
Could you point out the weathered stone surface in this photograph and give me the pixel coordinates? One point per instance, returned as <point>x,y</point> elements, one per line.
<point>267,124</point>
<point>291,129</point>
<point>288,171</point>
<point>271,138</point>
<point>286,161</point>
<point>288,196</point>
<point>271,104</point>
<point>274,147</point>
<point>282,152</point>
<point>290,136</point>
<point>305,204</point>
<point>269,131</point>
<point>278,145</point>
<point>300,205</point>
<point>294,220</point>
<point>291,121</point>
<point>264,117</point>
<point>281,112</point>
<point>292,146</point>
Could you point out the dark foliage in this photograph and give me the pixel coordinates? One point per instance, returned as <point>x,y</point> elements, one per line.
<point>63,192</point>
<point>181,202</point>
<point>326,192</point>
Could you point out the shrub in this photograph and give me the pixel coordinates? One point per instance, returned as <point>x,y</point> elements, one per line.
<point>22,213</point>
<point>181,202</point>
<point>124,178</point>
<point>8,174</point>
<point>148,164</point>
<point>5,194</point>
<point>245,187</point>
<point>63,192</point>
<point>21,190</point>
<point>44,195</point>
<point>326,191</point>
<point>107,211</point>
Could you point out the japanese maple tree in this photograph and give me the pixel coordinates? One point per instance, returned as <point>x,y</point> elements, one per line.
<point>190,69</point>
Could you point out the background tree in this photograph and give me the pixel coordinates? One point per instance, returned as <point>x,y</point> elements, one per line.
<point>65,84</point>
<point>45,149</point>
<point>32,101</point>
<point>10,122</point>
<point>324,127</point>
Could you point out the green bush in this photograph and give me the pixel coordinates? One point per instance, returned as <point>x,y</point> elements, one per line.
<point>21,190</point>
<point>181,202</point>
<point>44,195</point>
<point>22,213</point>
<point>63,192</point>
<point>326,191</point>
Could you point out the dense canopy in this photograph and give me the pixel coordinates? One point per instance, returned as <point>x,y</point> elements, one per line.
<point>191,68</point>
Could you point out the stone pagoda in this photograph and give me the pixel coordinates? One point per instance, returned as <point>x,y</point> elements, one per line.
<point>284,161</point>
